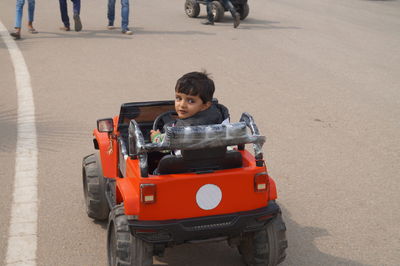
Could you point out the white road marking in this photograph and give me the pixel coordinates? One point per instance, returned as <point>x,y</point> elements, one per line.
<point>22,236</point>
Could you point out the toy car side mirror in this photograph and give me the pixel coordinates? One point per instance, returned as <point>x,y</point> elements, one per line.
<point>105,125</point>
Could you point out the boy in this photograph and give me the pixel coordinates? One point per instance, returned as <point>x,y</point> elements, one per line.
<point>193,103</point>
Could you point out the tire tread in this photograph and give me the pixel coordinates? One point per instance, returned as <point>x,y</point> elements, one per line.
<point>96,203</point>
<point>130,250</point>
<point>267,246</point>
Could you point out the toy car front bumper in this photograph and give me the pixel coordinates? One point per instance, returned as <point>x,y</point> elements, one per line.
<point>202,228</point>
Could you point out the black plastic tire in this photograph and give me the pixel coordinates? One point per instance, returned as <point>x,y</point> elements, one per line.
<point>94,186</point>
<point>218,11</point>
<point>192,8</point>
<point>244,11</point>
<point>265,247</point>
<point>123,248</point>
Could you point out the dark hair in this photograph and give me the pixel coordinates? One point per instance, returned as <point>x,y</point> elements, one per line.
<point>196,84</point>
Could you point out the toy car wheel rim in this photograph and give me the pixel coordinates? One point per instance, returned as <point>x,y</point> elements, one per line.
<point>214,11</point>
<point>189,9</point>
<point>217,10</point>
<point>192,8</point>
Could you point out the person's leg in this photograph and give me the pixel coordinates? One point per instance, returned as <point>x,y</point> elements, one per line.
<point>18,15</point>
<point>31,14</point>
<point>125,17</point>
<point>76,6</point>
<point>19,8</point>
<point>235,15</point>
<point>111,13</point>
<point>64,14</point>
<point>210,16</point>
<point>77,11</point>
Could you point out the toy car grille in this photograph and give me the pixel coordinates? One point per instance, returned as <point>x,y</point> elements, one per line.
<point>209,226</point>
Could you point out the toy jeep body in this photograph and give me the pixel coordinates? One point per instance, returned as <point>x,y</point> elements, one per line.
<point>192,8</point>
<point>154,199</point>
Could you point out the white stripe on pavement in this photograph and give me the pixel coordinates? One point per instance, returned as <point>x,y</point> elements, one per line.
<point>22,236</point>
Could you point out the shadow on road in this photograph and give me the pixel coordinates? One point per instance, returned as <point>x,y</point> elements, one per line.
<point>102,224</point>
<point>302,249</point>
<point>107,34</point>
<point>142,31</point>
<point>250,23</point>
<point>301,252</point>
<point>98,34</point>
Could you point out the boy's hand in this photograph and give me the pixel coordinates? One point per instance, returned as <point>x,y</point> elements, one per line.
<point>154,134</point>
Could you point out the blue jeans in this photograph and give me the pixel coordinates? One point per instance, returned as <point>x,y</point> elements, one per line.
<point>19,11</point>
<point>64,10</point>
<point>226,3</point>
<point>124,13</point>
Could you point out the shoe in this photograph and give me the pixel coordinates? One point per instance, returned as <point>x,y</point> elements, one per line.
<point>78,23</point>
<point>16,35</point>
<point>236,20</point>
<point>127,32</point>
<point>207,22</point>
<point>65,28</point>
<point>110,25</point>
<point>32,30</point>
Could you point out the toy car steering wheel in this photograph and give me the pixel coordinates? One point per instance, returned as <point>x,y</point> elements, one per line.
<point>163,119</point>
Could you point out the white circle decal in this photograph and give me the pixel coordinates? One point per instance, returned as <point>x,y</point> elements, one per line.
<point>208,196</point>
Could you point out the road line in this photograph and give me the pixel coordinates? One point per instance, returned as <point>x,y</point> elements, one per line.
<point>22,235</point>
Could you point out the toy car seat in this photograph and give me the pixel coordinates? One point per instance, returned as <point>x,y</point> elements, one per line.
<point>197,155</point>
<point>200,161</point>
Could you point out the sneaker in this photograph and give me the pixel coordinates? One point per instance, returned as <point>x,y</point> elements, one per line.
<point>110,25</point>
<point>32,30</point>
<point>207,22</point>
<point>236,20</point>
<point>78,23</point>
<point>65,28</point>
<point>16,35</point>
<point>127,32</point>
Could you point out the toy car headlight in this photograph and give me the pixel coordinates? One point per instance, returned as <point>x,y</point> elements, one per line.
<point>105,125</point>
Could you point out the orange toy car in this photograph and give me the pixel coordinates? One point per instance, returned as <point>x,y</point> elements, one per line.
<point>214,190</point>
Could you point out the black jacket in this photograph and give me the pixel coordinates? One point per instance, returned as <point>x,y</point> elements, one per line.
<point>215,114</point>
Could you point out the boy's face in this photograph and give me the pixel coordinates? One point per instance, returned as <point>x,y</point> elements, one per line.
<point>189,105</point>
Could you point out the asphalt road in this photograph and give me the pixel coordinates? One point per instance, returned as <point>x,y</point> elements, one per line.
<point>321,78</point>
